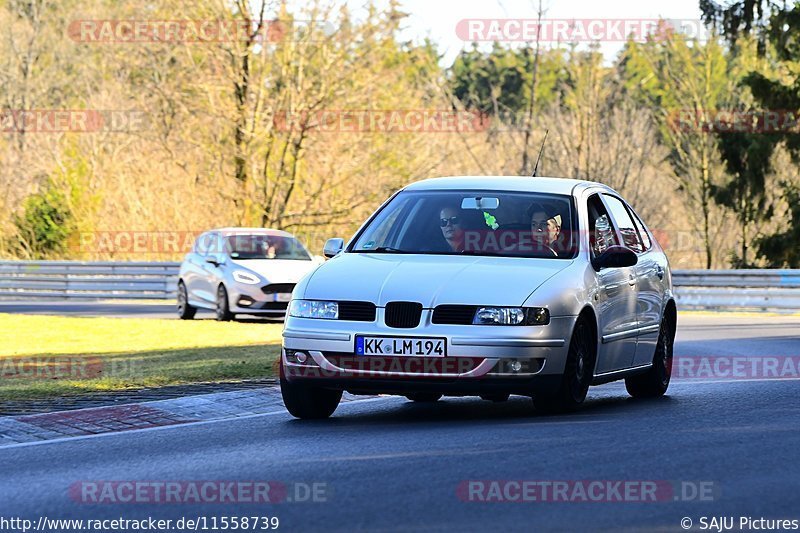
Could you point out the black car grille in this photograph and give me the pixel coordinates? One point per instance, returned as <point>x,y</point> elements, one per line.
<point>357,311</point>
<point>403,314</point>
<point>453,314</point>
<point>277,287</point>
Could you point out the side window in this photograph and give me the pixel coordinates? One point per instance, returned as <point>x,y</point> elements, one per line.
<point>201,244</point>
<point>217,246</point>
<point>630,235</point>
<point>642,231</point>
<point>205,243</point>
<point>601,231</point>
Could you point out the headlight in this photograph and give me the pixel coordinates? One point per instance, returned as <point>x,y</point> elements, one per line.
<point>314,309</point>
<point>245,277</point>
<point>512,316</point>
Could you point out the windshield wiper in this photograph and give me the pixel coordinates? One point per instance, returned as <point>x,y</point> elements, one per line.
<point>479,252</point>
<point>385,250</point>
<point>382,250</point>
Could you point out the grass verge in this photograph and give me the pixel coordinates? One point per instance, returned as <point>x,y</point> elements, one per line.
<point>44,356</point>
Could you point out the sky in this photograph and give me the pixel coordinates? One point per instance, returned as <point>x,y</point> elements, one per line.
<point>437,19</point>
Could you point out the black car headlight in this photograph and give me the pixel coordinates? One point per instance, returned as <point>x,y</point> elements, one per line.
<point>512,316</point>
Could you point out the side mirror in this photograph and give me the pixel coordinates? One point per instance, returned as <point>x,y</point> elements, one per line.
<point>333,247</point>
<point>615,257</point>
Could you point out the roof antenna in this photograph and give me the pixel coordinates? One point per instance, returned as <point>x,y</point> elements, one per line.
<point>539,157</point>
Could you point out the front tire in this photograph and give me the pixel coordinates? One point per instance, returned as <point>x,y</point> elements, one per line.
<point>655,382</point>
<point>223,309</point>
<point>578,373</point>
<point>308,402</point>
<point>185,311</point>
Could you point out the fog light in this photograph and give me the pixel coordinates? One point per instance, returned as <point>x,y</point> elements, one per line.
<point>301,357</point>
<point>244,301</point>
<point>515,366</point>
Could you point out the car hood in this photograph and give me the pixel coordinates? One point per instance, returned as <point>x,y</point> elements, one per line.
<point>430,279</point>
<point>277,270</point>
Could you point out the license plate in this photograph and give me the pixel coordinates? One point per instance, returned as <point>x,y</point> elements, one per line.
<point>402,346</point>
<point>283,296</point>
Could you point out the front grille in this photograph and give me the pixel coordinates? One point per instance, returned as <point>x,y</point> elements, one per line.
<point>453,314</point>
<point>357,311</point>
<point>277,288</point>
<point>403,314</point>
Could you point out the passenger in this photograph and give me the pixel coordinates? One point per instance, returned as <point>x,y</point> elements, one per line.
<point>545,228</point>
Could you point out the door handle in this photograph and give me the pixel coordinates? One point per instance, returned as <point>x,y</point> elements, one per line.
<point>632,280</point>
<point>660,272</point>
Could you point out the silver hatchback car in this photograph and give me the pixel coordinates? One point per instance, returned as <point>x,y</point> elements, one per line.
<point>249,271</point>
<point>485,286</point>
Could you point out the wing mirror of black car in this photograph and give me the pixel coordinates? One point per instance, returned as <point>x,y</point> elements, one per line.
<point>332,247</point>
<point>615,257</point>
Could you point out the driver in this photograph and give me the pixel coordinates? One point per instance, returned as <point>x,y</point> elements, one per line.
<point>451,223</point>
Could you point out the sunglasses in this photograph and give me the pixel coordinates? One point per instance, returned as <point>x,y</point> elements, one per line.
<point>454,221</point>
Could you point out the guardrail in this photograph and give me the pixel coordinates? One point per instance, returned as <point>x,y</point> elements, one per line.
<point>724,289</point>
<point>740,289</point>
<point>96,280</point>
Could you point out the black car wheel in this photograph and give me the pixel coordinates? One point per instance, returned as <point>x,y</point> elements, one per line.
<point>578,372</point>
<point>655,381</point>
<point>223,307</point>
<point>185,311</point>
<point>306,401</point>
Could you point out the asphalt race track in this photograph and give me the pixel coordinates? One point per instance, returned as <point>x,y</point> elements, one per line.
<point>721,448</point>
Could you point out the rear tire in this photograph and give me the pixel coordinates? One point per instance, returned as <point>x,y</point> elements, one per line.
<point>308,402</point>
<point>655,382</point>
<point>223,308</point>
<point>424,397</point>
<point>578,373</point>
<point>185,311</point>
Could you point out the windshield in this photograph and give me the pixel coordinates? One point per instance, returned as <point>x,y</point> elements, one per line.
<point>473,223</point>
<point>265,247</point>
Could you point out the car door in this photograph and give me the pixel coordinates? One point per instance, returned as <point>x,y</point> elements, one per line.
<point>194,269</point>
<point>650,274</point>
<point>616,305</point>
<point>646,271</point>
<point>213,264</point>
<point>202,286</point>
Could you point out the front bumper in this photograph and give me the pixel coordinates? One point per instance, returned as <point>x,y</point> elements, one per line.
<point>476,361</point>
<point>252,300</point>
